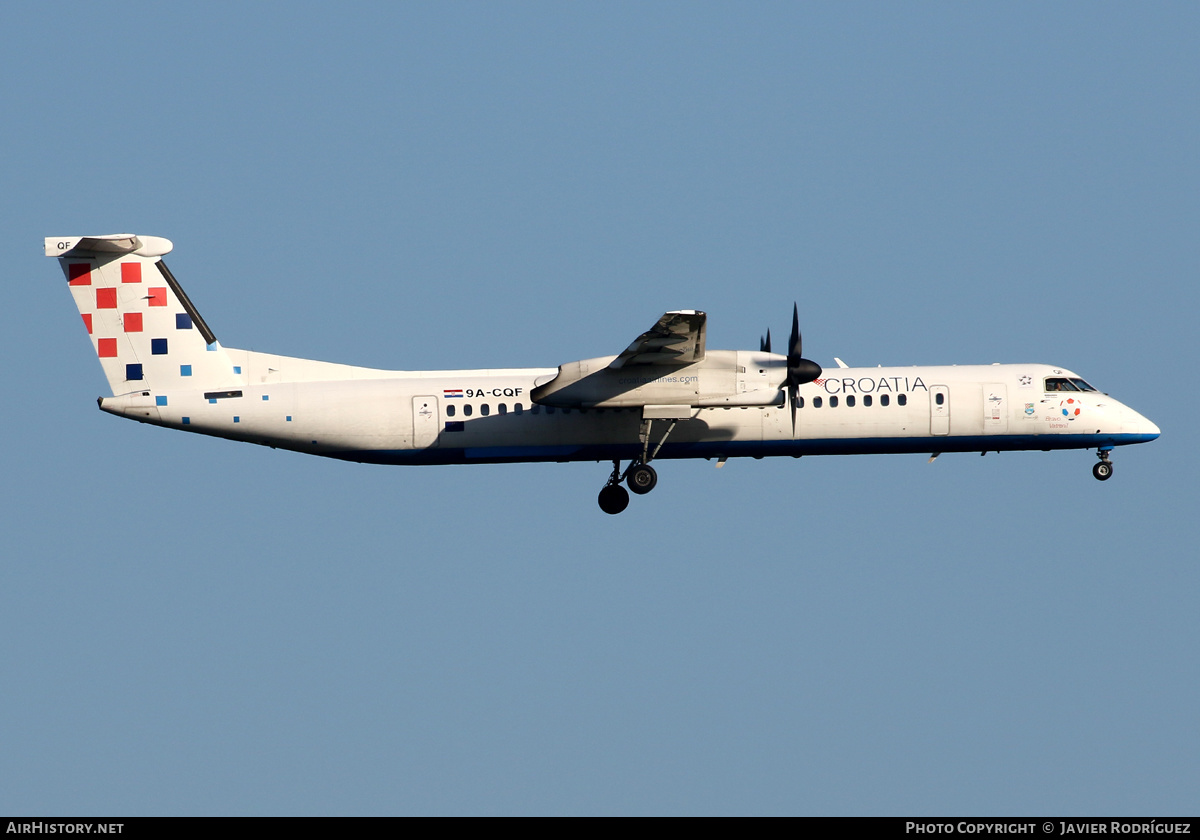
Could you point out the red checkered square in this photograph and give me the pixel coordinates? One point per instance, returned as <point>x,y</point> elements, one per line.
<point>107,348</point>
<point>87,321</point>
<point>158,296</point>
<point>79,274</point>
<point>133,322</point>
<point>106,298</point>
<point>131,272</point>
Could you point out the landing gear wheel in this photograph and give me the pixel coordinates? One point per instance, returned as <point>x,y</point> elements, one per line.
<point>1103,471</point>
<point>613,499</point>
<point>642,479</point>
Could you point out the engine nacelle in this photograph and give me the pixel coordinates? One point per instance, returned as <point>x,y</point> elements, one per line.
<point>723,377</point>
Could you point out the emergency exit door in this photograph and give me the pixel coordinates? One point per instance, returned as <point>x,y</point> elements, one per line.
<point>939,410</point>
<point>995,409</point>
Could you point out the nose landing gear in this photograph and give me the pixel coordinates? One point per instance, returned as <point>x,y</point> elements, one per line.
<point>1103,471</point>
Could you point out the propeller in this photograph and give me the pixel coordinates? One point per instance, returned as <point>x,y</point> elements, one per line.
<point>764,344</point>
<point>799,369</point>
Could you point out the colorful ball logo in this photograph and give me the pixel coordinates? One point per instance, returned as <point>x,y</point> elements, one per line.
<point>1071,408</point>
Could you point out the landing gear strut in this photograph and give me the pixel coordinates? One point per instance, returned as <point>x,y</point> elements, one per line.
<point>1103,471</point>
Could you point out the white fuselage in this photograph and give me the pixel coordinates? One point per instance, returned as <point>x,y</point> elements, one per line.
<point>482,416</point>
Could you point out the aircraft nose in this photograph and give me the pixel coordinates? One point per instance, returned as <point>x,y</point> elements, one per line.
<point>1142,427</point>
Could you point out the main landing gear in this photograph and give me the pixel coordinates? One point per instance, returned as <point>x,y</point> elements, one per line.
<point>639,475</point>
<point>641,479</point>
<point>1103,471</point>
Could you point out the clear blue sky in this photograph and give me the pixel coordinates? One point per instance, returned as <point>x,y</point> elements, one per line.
<point>192,626</point>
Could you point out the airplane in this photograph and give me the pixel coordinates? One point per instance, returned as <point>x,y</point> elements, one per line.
<point>665,396</point>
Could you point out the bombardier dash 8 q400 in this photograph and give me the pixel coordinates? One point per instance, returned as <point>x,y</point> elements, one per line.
<point>665,396</point>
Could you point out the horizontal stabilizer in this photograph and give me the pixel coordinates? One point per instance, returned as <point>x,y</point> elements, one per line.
<point>114,244</point>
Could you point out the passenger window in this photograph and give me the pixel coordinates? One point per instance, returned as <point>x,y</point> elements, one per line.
<point>535,409</point>
<point>884,399</point>
<point>940,399</point>
<point>549,409</point>
<point>485,409</point>
<point>450,411</point>
<point>850,401</point>
<point>816,402</point>
<point>502,408</point>
<point>799,402</point>
<point>833,401</point>
<point>520,409</point>
<point>467,410</point>
<point>902,399</point>
<point>566,411</point>
<point>867,400</point>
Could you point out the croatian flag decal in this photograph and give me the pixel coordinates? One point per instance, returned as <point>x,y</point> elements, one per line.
<point>452,393</point>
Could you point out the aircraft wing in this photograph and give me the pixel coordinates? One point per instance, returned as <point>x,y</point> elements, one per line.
<point>677,338</point>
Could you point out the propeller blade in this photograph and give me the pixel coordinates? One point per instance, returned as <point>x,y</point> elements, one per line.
<point>794,343</point>
<point>764,344</point>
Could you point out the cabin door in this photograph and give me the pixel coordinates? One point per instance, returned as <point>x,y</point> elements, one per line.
<point>425,422</point>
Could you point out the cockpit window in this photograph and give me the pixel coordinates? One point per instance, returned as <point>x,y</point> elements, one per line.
<point>1080,384</point>
<point>1060,383</point>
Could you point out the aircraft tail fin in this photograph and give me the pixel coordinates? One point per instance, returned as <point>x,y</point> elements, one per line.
<point>146,332</point>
